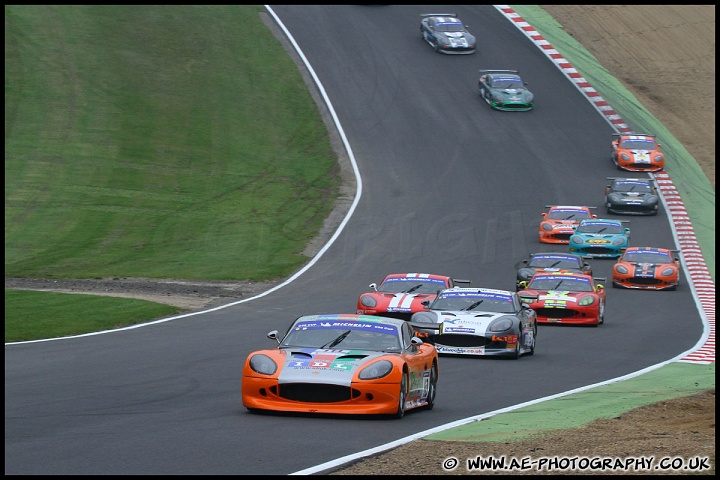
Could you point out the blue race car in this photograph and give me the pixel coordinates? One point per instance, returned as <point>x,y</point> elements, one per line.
<point>600,238</point>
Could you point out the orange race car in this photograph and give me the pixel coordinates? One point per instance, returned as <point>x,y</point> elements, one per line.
<point>342,364</point>
<point>560,221</point>
<point>647,268</point>
<point>637,153</point>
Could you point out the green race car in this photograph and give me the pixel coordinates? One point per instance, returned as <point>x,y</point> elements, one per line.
<point>504,90</point>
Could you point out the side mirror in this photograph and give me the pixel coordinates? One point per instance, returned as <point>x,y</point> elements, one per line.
<point>527,299</point>
<point>373,286</point>
<point>274,336</point>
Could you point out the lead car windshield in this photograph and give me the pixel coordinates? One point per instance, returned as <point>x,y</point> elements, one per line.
<point>343,337</point>
<point>412,285</point>
<point>568,214</point>
<point>450,27</point>
<point>600,228</point>
<point>639,144</point>
<point>464,302</point>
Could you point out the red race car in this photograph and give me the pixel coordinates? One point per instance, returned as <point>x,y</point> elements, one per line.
<point>565,298</point>
<point>647,268</point>
<point>401,294</point>
<point>560,221</point>
<point>637,153</point>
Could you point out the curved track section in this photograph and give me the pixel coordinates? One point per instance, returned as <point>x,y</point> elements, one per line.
<point>449,186</point>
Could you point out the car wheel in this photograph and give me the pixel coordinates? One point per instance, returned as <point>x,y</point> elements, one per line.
<point>432,391</point>
<point>516,354</point>
<point>532,349</point>
<point>402,396</point>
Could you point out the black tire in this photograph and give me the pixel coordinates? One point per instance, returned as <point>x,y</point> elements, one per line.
<point>615,161</point>
<point>532,350</point>
<point>516,354</point>
<point>433,388</point>
<point>401,398</point>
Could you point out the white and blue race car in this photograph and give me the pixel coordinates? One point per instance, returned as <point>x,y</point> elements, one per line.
<point>478,321</point>
<point>446,34</point>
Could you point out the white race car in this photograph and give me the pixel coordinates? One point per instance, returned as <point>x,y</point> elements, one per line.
<point>478,321</point>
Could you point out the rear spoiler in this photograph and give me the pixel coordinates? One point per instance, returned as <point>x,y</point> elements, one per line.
<point>651,180</point>
<point>438,15</point>
<point>463,281</point>
<point>499,71</point>
<point>578,206</point>
<point>633,133</point>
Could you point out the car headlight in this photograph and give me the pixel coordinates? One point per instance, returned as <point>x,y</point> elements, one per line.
<point>621,269</point>
<point>546,226</point>
<point>651,200</point>
<point>376,370</point>
<point>586,300</point>
<point>500,325</point>
<point>576,239</point>
<point>443,39</point>
<point>263,364</point>
<point>529,98</point>
<point>615,197</point>
<point>422,317</point>
<point>498,97</point>
<point>368,301</point>
<point>668,272</point>
<point>625,157</point>
<point>658,158</point>
<point>619,241</point>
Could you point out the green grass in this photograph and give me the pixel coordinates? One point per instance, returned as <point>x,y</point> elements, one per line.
<point>156,142</point>
<point>62,314</point>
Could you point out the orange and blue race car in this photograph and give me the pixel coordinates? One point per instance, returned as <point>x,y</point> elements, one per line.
<point>637,153</point>
<point>647,268</point>
<point>400,295</point>
<point>565,298</point>
<point>342,364</point>
<point>559,222</point>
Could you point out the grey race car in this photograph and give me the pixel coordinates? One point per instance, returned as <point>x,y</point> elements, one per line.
<point>446,33</point>
<point>631,196</point>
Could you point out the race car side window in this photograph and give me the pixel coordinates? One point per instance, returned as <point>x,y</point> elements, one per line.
<point>407,334</point>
